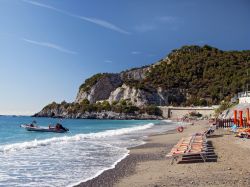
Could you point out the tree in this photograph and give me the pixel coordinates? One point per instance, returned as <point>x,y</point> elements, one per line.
<point>85,102</point>
<point>153,110</point>
<point>106,106</point>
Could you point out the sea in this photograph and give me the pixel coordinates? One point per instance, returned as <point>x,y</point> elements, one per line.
<point>54,159</point>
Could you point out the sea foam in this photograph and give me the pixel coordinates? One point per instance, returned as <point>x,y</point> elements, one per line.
<point>66,139</point>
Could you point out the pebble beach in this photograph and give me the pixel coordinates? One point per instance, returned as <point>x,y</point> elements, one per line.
<point>146,165</point>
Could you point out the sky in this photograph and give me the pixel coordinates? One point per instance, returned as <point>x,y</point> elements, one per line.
<point>49,47</point>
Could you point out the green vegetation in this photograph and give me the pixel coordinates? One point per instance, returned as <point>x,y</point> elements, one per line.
<point>224,106</point>
<point>86,86</point>
<point>208,75</point>
<point>204,75</point>
<point>152,110</point>
<point>132,69</point>
<point>123,106</point>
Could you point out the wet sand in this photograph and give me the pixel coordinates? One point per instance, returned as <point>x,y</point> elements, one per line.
<point>147,166</point>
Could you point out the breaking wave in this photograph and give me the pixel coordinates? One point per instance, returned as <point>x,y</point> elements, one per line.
<point>67,139</point>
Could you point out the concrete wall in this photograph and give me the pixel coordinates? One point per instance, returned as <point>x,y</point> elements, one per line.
<point>244,100</point>
<point>179,112</point>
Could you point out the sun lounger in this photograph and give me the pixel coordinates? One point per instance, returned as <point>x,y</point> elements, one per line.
<point>195,146</point>
<point>210,130</point>
<point>243,133</point>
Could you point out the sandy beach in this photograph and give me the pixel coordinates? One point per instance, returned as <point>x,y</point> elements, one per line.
<point>147,166</point>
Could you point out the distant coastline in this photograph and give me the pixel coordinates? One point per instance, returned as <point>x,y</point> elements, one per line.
<point>13,115</point>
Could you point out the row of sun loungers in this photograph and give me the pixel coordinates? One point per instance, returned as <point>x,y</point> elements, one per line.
<point>192,149</point>
<point>241,132</point>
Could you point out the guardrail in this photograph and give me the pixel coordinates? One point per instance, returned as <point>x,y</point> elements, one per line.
<point>227,123</point>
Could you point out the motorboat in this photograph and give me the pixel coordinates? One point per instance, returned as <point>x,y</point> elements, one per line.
<point>58,128</point>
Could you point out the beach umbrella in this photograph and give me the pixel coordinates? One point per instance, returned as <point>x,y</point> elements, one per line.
<point>241,118</point>
<point>235,117</point>
<point>248,117</point>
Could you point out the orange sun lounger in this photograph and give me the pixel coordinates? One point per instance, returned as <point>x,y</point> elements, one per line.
<point>193,145</point>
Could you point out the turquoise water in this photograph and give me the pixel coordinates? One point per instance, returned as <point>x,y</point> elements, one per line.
<point>11,133</point>
<point>51,159</point>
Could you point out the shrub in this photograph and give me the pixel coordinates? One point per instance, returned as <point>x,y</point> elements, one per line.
<point>92,81</point>
<point>85,102</point>
<point>152,110</point>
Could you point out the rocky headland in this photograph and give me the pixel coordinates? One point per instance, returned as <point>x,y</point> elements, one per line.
<point>191,75</point>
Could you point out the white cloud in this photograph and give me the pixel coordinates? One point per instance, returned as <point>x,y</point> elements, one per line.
<point>39,4</point>
<point>49,45</point>
<point>167,19</point>
<point>99,22</point>
<point>103,23</point>
<point>135,52</point>
<point>158,23</point>
<point>201,42</point>
<point>172,23</point>
<point>108,61</point>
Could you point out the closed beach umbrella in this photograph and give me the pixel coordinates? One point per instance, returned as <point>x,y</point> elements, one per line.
<point>241,118</point>
<point>248,117</point>
<point>235,117</point>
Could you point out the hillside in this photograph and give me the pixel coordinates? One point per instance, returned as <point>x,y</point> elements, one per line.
<point>207,74</point>
<point>191,75</point>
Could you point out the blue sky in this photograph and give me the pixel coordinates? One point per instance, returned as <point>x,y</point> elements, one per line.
<point>49,47</point>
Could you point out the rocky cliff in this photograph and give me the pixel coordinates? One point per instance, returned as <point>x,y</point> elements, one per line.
<point>136,74</point>
<point>111,96</point>
<point>142,97</point>
<point>100,89</point>
<point>191,75</point>
<point>117,87</point>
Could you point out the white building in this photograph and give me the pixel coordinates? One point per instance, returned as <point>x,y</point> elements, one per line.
<point>244,97</point>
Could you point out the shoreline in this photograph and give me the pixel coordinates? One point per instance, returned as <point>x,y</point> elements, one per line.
<point>230,169</point>
<point>106,118</point>
<point>102,171</point>
<point>126,165</point>
<point>146,164</point>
